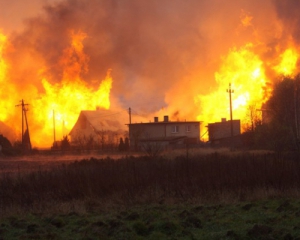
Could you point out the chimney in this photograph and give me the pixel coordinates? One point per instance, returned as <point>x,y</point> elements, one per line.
<point>166,118</point>
<point>155,119</point>
<point>223,119</point>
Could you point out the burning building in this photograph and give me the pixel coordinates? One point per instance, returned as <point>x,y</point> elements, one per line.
<point>166,57</point>
<point>98,128</point>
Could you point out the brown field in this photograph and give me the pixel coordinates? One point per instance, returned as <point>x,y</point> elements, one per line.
<point>188,174</point>
<point>38,162</point>
<point>204,193</point>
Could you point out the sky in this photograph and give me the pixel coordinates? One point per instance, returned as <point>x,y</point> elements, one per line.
<point>13,13</point>
<point>166,57</point>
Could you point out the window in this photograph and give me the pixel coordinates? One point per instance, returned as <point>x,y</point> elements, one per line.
<point>175,129</point>
<point>188,128</point>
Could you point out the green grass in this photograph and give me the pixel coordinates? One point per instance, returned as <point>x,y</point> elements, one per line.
<point>214,196</point>
<point>266,219</point>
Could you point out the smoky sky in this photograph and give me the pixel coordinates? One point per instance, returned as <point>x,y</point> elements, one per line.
<point>288,12</point>
<point>151,46</point>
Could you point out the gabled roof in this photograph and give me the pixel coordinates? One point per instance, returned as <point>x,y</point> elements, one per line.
<point>102,120</point>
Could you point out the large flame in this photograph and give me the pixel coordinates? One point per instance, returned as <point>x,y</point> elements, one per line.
<point>250,87</point>
<point>58,88</point>
<point>287,62</point>
<point>59,105</point>
<point>7,89</point>
<point>2,62</point>
<point>244,70</point>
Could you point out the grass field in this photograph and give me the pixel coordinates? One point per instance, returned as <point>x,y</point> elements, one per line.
<point>179,195</point>
<point>265,219</point>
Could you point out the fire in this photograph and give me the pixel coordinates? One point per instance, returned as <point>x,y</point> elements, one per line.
<point>2,62</point>
<point>74,61</point>
<point>60,103</point>
<point>3,67</point>
<point>7,90</point>
<point>288,62</point>
<point>244,70</point>
<point>64,101</point>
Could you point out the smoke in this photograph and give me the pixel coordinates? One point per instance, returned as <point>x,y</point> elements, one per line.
<point>287,12</point>
<point>157,50</point>
<point>162,53</point>
<point>13,13</point>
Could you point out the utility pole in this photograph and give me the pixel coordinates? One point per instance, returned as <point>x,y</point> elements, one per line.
<point>26,144</point>
<point>54,140</point>
<point>296,113</point>
<point>230,91</point>
<point>129,137</point>
<point>129,111</point>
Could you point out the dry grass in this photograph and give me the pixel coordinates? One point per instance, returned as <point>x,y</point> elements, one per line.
<point>210,177</point>
<point>192,152</point>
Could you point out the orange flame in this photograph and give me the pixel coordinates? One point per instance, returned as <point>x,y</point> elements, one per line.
<point>244,69</point>
<point>63,101</point>
<point>2,62</point>
<point>288,62</point>
<point>60,103</point>
<point>7,90</point>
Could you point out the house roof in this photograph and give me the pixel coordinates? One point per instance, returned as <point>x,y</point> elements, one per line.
<point>102,120</point>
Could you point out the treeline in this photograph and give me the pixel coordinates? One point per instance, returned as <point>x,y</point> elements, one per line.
<point>278,126</point>
<point>144,179</point>
<point>84,143</point>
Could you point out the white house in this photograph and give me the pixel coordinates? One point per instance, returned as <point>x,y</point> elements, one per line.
<point>166,133</point>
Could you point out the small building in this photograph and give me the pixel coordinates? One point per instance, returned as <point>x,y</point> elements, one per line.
<point>99,127</point>
<point>164,133</point>
<point>224,132</point>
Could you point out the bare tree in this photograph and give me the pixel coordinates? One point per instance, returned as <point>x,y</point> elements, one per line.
<point>152,148</point>
<point>253,117</point>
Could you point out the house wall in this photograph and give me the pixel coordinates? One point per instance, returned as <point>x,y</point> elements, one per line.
<point>220,130</point>
<point>148,131</point>
<point>188,129</point>
<point>145,131</point>
<point>171,129</point>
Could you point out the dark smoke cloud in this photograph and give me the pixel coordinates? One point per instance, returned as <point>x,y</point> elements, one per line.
<point>288,12</point>
<point>151,46</point>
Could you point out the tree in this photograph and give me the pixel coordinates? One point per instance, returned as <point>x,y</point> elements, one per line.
<point>253,118</point>
<point>126,145</point>
<point>5,146</point>
<point>279,128</point>
<point>152,148</point>
<point>121,145</point>
<point>283,110</point>
<point>65,143</point>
